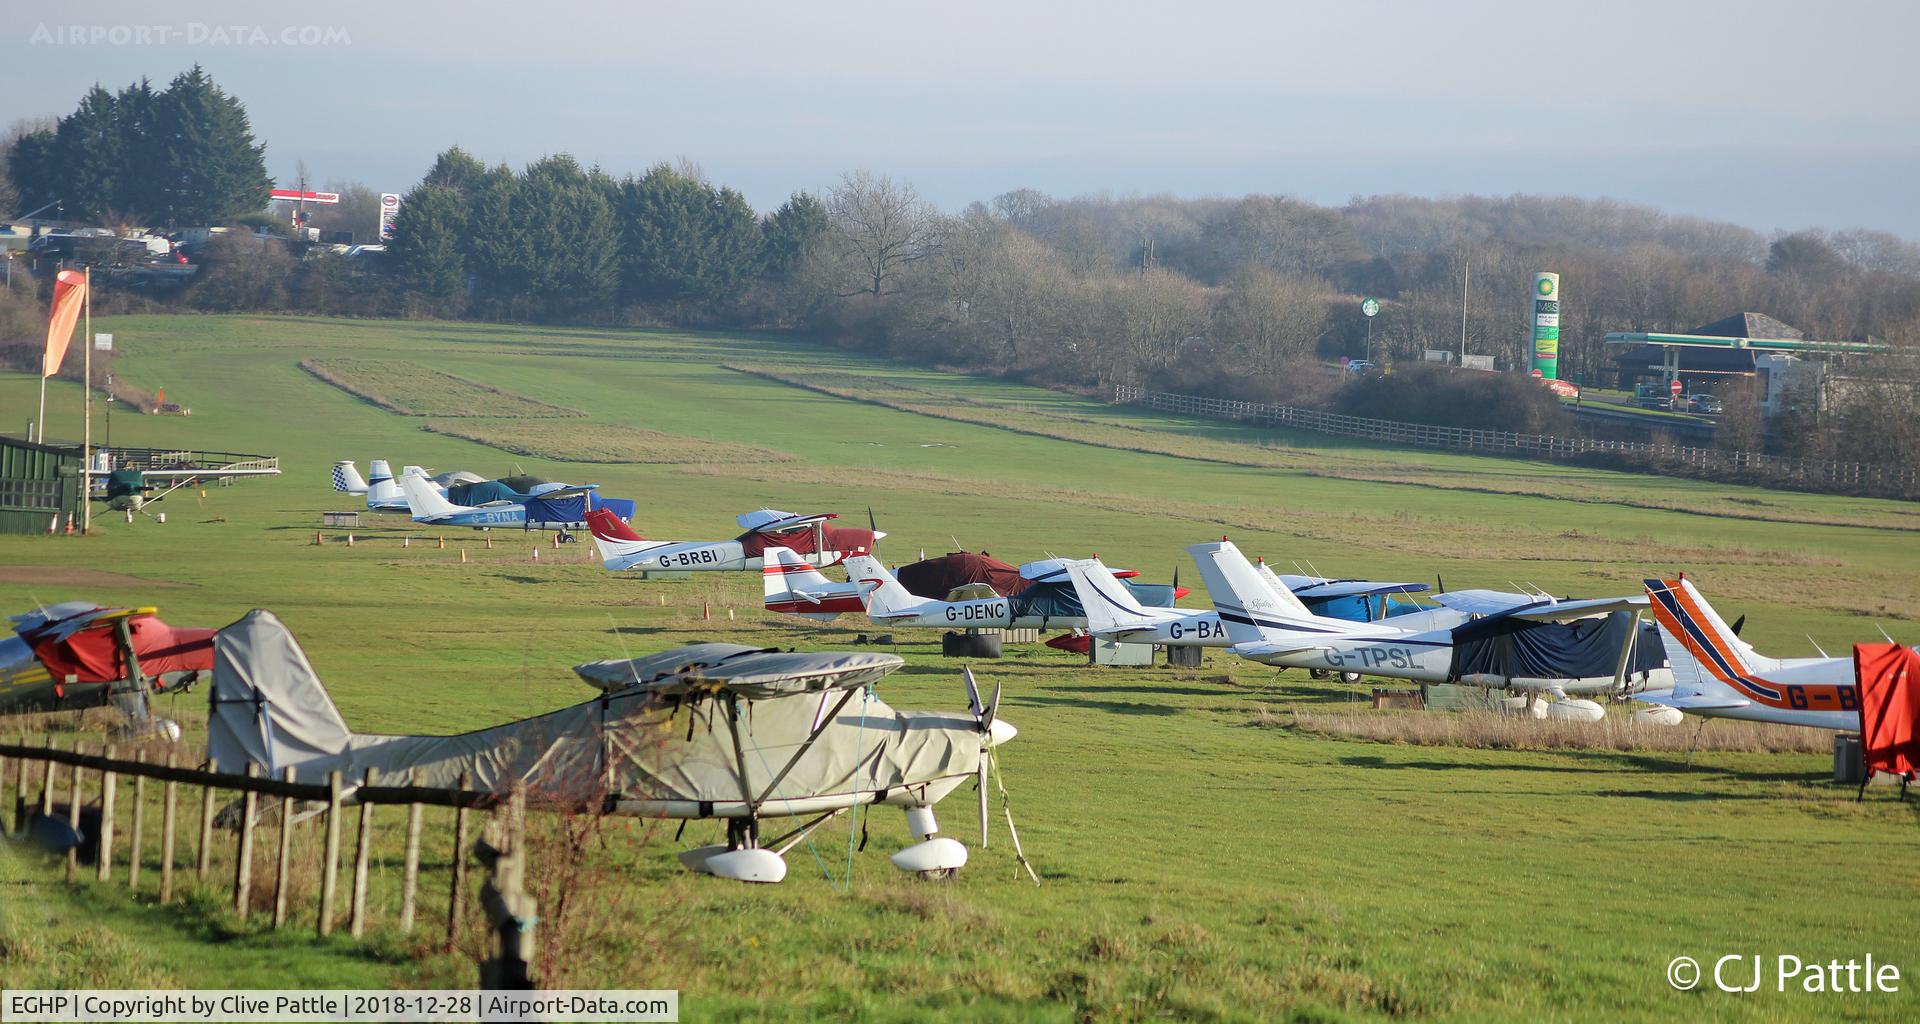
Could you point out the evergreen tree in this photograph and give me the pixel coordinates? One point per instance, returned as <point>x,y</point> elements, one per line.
<point>427,247</point>
<point>34,171</point>
<point>458,170</point>
<point>499,249</point>
<point>138,189</point>
<point>682,239</point>
<point>790,234</point>
<point>566,208</point>
<point>87,150</point>
<point>210,168</point>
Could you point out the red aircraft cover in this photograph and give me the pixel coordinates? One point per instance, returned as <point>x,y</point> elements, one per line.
<point>936,577</point>
<point>1889,678</point>
<point>93,655</point>
<point>837,538</point>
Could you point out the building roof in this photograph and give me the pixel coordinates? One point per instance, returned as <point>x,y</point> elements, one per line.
<point>1749,325</point>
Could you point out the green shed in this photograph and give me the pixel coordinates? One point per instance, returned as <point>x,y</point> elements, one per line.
<point>37,483</point>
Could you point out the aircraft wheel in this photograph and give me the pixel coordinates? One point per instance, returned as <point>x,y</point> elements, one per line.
<point>938,874</point>
<point>1349,677</point>
<point>1319,673</point>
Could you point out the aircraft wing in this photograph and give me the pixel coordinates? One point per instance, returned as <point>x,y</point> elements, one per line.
<point>1691,702</point>
<point>1483,602</point>
<point>1271,649</point>
<point>1054,570</point>
<point>1567,611</point>
<point>770,520</point>
<point>1349,588</point>
<point>191,474</point>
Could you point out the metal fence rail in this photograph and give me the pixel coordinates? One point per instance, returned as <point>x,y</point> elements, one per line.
<point>1747,467</point>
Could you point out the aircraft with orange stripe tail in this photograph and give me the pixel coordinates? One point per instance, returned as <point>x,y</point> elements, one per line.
<point>1718,675</point>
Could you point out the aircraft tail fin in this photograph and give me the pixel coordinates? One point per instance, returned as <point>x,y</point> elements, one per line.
<point>268,706</point>
<point>422,500</point>
<point>611,527</point>
<point>347,478</point>
<point>1249,608</point>
<point>788,580</point>
<point>382,488</point>
<point>1109,604</point>
<point>615,539</point>
<point>879,591</point>
<point>1703,652</point>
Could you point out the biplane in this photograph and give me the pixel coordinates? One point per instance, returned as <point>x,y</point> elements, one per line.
<point>723,732</point>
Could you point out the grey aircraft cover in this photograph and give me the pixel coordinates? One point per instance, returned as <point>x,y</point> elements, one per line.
<point>665,746</point>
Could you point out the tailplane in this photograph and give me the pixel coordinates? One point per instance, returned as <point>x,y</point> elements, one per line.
<point>382,489</point>
<point>268,706</point>
<point>790,584</point>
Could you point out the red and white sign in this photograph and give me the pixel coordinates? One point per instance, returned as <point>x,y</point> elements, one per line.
<point>1674,386</point>
<point>294,195</point>
<point>389,207</point>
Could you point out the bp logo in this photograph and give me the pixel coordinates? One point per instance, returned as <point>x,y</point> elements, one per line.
<point>1544,286</point>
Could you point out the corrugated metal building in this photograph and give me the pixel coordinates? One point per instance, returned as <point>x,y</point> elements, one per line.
<point>37,482</point>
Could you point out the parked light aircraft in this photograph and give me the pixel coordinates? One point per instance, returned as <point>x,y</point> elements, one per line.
<point>808,537</point>
<point>77,655</point>
<point>1113,612</point>
<point>712,731</point>
<point>1718,675</point>
<point>563,509</point>
<point>1274,628</point>
<point>382,489</point>
<point>890,604</point>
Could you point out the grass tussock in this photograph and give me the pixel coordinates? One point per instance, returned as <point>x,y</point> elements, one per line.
<point>1491,730</point>
<point>414,390</point>
<point>602,443</point>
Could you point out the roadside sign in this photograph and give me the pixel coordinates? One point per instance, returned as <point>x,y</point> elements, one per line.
<point>1370,306</point>
<point>102,342</point>
<point>1674,386</point>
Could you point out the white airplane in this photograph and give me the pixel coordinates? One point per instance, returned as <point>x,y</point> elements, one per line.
<point>793,587</point>
<point>890,604</point>
<point>1113,612</point>
<point>808,537</point>
<point>725,732</point>
<point>1272,627</point>
<point>431,508</point>
<point>1718,675</point>
<point>383,492</point>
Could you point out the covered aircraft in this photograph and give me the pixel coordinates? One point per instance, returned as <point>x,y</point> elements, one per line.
<point>78,655</point>
<point>561,507</point>
<point>1545,646</point>
<point>807,536</point>
<point>727,732</point>
<point>382,488</point>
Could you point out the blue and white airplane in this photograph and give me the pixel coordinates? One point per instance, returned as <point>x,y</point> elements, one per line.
<point>561,508</point>
<point>383,491</point>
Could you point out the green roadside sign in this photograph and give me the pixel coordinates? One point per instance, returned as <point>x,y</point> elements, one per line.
<point>1370,306</point>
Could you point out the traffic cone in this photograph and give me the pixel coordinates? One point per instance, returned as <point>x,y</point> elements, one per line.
<point>706,609</point>
<point>463,556</point>
<point>536,554</point>
<point>407,541</point>
<point>69,525</point>
<point>349,540</point>
<point>443,542</point>
<point>489,542</point>
<point>319,538</point>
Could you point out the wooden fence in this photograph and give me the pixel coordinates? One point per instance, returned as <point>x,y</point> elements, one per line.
<point>1747,467</point>
<point>24,766</point>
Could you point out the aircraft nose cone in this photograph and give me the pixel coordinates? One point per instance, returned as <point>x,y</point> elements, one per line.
<point>1000,732</point>
<point>879,534</point>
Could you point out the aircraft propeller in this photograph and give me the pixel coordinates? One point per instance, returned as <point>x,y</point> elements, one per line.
<point>985,716</point>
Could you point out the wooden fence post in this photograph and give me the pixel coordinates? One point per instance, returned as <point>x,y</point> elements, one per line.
<point>73,819</point>
<point>103,846</point>
<point>139,827</point>
<point>20,790</point>
<point>330,871</point>
<point>168,799</point>
<point>206,831</point>
<point>47,781</point>
<point>459,865</point>
<point>243,852</point>
<point>410,881</point>
<point>286,856</point>
<point>363,849</point>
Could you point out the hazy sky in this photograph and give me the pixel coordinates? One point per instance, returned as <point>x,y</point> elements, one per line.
<point>1770,114</point>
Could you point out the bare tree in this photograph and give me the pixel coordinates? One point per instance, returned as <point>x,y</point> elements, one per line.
<point>881,225</point>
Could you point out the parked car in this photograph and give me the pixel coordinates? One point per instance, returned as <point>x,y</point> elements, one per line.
<point>1359,366</point>
<point>1704,403</point>
<point>1654,396</point>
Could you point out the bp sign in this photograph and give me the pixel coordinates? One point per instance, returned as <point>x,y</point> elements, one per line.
<point>1370,307</point>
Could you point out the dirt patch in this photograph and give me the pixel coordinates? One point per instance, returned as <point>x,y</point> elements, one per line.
<point>64,576</point>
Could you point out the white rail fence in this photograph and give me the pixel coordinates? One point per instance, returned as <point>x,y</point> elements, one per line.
<point>1746,467</point>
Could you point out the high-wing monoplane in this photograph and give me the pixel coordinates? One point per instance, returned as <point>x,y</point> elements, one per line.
<point>560,507</point>
<point>78,655</point>
<point>382,488</point>
<point>724,732</point>
<point>1546,646</point>
<point>809,537</point>
<point>1718,675</point>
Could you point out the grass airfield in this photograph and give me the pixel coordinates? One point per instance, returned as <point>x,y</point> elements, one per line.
<point>1195,864</point>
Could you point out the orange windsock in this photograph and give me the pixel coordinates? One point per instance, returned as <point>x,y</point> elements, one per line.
<point>69,294</point>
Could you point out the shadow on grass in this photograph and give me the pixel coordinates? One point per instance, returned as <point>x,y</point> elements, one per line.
<point>1113,706</point>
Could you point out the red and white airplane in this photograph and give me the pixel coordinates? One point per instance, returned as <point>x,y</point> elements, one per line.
<point>1718,675</point>
<point>808,536</point>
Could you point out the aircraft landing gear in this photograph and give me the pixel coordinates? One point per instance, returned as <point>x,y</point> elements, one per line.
<point>1349,677</point>
<point>935,857</point>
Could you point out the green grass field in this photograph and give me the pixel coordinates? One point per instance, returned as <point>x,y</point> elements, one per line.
<point>1196,865</point>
